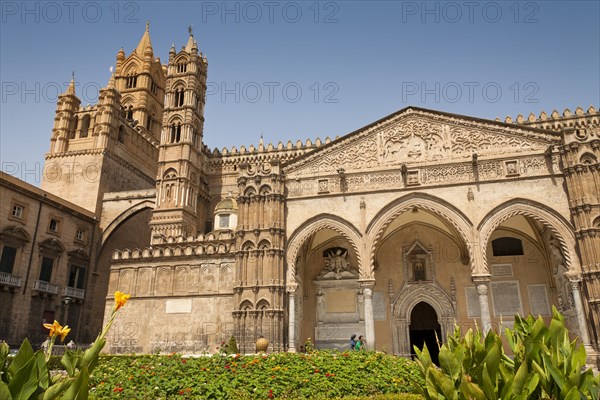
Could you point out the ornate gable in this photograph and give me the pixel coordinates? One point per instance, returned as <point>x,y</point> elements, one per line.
<point>417,136</point>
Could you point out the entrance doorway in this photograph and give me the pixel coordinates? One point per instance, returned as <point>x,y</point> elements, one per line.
<point>423,329</point>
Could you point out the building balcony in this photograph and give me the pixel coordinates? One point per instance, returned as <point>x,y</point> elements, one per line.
<point>10,280</point>
<point>73,292</point>
<point>45,287</point>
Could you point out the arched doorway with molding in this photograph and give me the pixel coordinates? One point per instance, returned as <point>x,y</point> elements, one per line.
<point>424,329</point>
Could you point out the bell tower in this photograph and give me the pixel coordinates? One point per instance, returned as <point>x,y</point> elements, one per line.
<point>182,193</point>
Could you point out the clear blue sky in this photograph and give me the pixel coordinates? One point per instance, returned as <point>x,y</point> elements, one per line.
<point>303,69</point>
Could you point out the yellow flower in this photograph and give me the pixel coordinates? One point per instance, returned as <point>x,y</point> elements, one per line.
<point>63,332</point>
<point>120,299</point>
<point>53,327</point>
<point>57,330</point>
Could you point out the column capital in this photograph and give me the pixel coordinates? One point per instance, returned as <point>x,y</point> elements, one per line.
<point>291,288</point>
<point>366,283</point>
<point>481,279</point>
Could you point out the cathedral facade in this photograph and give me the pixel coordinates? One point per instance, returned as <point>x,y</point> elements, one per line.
<point>396,231</point>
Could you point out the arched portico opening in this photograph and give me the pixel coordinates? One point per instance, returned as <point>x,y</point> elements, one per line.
<point>322,277</point>
<point>531,260</point>
<point>420,254</point>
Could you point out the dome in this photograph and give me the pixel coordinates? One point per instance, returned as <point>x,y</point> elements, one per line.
<point>227,204</point>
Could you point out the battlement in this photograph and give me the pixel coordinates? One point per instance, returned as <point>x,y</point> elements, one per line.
<point>218,242</point>
<point>556,121</point>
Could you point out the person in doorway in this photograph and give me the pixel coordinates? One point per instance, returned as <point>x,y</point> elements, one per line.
<point>360,343</point>
<point>352,342</point>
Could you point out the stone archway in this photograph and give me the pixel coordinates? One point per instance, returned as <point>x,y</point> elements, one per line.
<point>406,299</point>
<point>459,224</point>
<point>425,330</point>
<point>296,285</point>
<point>561,228</point>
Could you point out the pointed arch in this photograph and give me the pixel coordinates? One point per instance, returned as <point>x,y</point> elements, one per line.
<point>312,226</point>
<point>456,221</point>
<point>549,217</point>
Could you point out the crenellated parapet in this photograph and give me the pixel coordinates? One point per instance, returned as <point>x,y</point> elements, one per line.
<point>555,120</point>
<point>229,159</point>
<point>212,243</point>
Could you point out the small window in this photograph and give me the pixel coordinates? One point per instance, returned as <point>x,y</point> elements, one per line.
<point>53,225</point>
<point>17,211</point>
<point>7,262</point>
<point>47,318</point>
<point>46,270</point>
<point>224,221</point>
<point>131,82</point>
<point>80,235</point>
<point>181,68</point>
<point>153,88</point>
<point>76,277</point>
<point>507,246</point>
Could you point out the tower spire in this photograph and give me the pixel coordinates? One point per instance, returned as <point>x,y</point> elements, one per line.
<point>71,89</point>
<point>144,42</point>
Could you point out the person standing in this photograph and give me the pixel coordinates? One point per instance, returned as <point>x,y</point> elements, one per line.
<point>360,344</point>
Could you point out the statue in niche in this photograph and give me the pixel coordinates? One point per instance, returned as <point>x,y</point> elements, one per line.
<point>419,270</point>
<point>337,265</point>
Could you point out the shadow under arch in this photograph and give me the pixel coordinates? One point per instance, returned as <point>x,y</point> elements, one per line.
<point>312,226</point>
<point>458,223</point>
<point>121,218</point>
<point>558,225</point>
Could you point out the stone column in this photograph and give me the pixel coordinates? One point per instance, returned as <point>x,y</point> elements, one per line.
<point>291,289</point>
<point>482,285</point>
<point>583,331</point>
<point>369,321</point>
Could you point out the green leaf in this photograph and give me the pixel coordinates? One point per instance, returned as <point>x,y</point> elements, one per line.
<point>90,356</point>
<point>520,379</point>
<point>573,394</point>
<point>489,386</point>
<point>4,392</point>
<point>450,364</point>
<point>79,388</point>
<point>42,370</point>
<point>24,355</point>
<point>554,372</point>
<point>25,381</point>
<point>69,360</point>
<point>471,390</point>
<point>443,384</point>
<point>56,390</point>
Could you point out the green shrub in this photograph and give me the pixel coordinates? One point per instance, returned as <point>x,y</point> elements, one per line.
<point>328,374</point>
<point>545,365</point>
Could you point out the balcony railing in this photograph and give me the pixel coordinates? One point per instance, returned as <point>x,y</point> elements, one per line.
<point>10,280</point>
<point>74,292</point>
<point>45,287</point>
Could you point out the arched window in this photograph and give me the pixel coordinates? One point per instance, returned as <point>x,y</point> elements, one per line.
<point>85,126</point>
<point>73,127</point>
<point>129,113</point>
<point>178,97</point>
<point>121,137</point>
<point>149,122</point>
<point>181,67</point>
<point>507,246</point>
<point>131,81</point>
<point>176,133</point>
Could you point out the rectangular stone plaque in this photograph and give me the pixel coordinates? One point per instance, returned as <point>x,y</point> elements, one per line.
<point>538,299</point>
<point>340,301</point>
<point>379,313</point>
<point>502,270</point>
<point>506,297</point>
<point>473,310</point>
<point>179,306</point>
